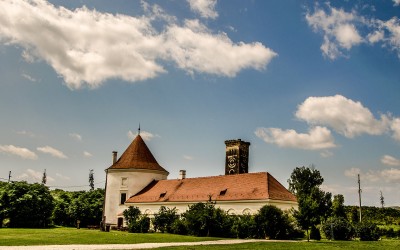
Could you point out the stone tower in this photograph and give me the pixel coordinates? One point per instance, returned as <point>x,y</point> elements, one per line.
<point>237,157</point>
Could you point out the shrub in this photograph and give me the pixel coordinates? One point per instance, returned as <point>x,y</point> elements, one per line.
<point>338,228</point>
<point>179,227</point>
<point>163,220</point>
<point>244,226</point>
<point>143,225</point>
<point>367,231</point>
<point>314,233</point>
<point>272,223</point>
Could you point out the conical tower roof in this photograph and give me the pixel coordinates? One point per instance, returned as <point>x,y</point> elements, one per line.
<point>137,156</point>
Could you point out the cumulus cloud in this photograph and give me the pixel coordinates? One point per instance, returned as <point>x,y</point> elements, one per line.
<point>345,116</point>
<point>390,160</point>
<point>76,136</point>
<point>18,151</point>
<point>147,136</point>
<point>86,47</point>
<point>338,28</point>
<point>391,175</point>
<point>395,127</point>
<point>396,2</point>
<point>30,78</point>
<point>317,138</point>
<point>52,151</point>
<point>31,175</point>
<point>206,8</point>
<point>392,26</point>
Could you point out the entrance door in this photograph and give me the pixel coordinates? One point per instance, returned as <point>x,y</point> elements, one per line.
<point>120,222</point>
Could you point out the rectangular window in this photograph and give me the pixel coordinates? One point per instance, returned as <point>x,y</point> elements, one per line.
<point>123,198</point>
<point>124,181</point>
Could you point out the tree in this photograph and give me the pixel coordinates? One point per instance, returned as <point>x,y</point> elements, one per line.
<point>338,228</point>
<point>382,199</point>
<point>87,207</point>
<point>26,205</point>
<point>91,179</point>
<point>136,222</point>
<point>338,206</point>
<point>272,223</point>
<point>44,178</point>
<point>313,203</point>
<point>164,219</point>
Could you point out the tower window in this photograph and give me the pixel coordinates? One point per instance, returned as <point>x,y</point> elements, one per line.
<point>123,198</point>
<point>124,181</point>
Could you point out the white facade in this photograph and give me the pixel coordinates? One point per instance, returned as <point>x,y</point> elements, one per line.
<point>128,182</point>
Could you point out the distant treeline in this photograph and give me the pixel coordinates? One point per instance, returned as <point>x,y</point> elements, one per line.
<point>377,215</point>
<point>34,205</point>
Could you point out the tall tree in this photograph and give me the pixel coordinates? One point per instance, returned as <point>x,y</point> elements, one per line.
<point>382,199</point>
<point>313,203</point>
<point>338,206</point>
<point>91,179</point>
<point>44,178</point>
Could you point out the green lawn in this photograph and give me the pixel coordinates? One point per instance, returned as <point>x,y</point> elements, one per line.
<point>322,245</point>
<point>66,236</point>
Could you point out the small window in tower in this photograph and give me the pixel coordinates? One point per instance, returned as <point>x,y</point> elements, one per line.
<point>223,192</point>
<point>162,195</point>
<point>123,198</point>
<point>124,181</point>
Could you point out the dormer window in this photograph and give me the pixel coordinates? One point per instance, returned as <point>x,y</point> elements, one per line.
<point>223,192</point>
<point>162,195</point>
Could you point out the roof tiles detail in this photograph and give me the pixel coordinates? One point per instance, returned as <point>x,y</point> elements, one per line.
<point>137,156</point>
<point>251,186</point>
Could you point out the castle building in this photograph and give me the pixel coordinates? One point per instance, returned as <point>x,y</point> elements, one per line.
<point>136,179</point>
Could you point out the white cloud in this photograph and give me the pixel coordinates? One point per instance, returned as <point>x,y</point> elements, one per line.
<point>87,154</point>
<point>26,133</point>
<point>31,175</point>
<point>393,28</point>
<point>76,136</point>
<point>18,151</point>
<point>206,8</point>
<point>147,136</point>
<point>338,28</point>
<point>52,151</point>
<point>376,36</point>
<point>195,49</point>
<point>396,2</point>
<point>317,138</point>
<point>395,127</point>
<point>86,47</point>
<point>345,116</point>
<point>374,176</point>
<point>30,78</point>
<point>390,160</point>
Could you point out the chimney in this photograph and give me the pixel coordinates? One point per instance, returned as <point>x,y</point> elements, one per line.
<point>182,174</point>
<point>114,156</point>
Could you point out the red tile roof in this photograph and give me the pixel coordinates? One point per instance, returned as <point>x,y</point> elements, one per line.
<point>137,156</point>
<point>251,186</point>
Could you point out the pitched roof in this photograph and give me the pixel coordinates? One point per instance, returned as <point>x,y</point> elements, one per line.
<point>251,186</point>
<point>137,156</point>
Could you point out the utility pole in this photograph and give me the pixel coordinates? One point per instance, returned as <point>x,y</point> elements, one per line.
<point>9,176</point>
<point>359,193</point>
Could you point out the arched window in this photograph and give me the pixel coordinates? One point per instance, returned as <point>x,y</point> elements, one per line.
<point>246,211</point>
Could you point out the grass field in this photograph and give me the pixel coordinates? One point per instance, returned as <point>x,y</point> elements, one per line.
<point>65,236</point>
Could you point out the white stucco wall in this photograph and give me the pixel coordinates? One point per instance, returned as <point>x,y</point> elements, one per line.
<point>136,180</point>
<point>233,207</point>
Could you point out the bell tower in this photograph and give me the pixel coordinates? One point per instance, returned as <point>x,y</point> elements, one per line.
<point>237,157</point>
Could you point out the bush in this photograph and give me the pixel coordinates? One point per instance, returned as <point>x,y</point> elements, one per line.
<point>272,223</point>
<point>179,227</point>
<point>163,220</point>
<point>244,227</point>
<point>338,228</point>
<point>367,231</point>
<point>314,233</point>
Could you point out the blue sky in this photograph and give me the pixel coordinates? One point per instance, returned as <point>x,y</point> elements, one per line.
<point>305,82</point>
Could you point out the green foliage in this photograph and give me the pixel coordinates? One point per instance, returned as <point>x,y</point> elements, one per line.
<point>164,219</point>
<point>338,228</point>
<point>314,204</point>
<point>272,223</point>
<point>179,227</point>
<point>338,206</point>
<point>367,231</point>
<point>25,205</point>
<point>203,219</point>
<point>377,215</point>
<point>137,223</point>
<point>314,233</point>
<point>87,207</point>
<point>245,227</point>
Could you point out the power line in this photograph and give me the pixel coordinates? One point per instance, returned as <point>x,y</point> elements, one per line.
<point>87,185</point>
